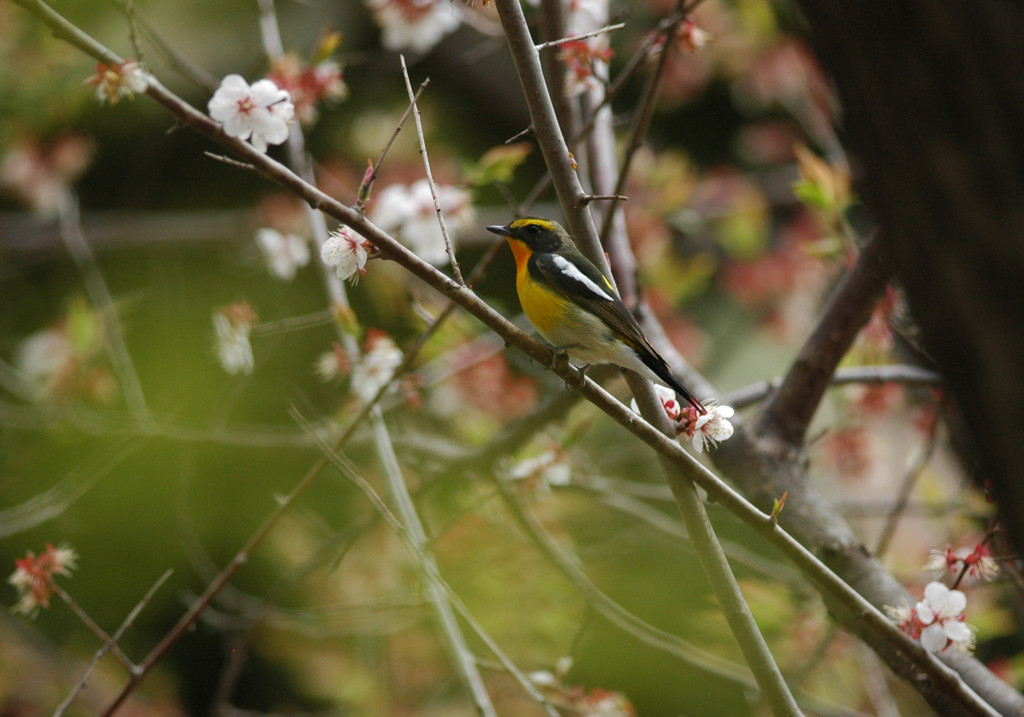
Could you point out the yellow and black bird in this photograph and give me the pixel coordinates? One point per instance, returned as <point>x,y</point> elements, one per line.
<point>574,306</point>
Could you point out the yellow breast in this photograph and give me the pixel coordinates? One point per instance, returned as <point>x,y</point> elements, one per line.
<point>544,308</point>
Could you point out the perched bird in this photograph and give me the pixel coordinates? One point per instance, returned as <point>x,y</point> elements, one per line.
<point>574,306</point>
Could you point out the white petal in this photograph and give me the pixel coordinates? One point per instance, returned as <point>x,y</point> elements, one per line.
<point>956,601</point>
<point>935,594</point>
<point>265,93</point>
<point>392,208</point>
<point>933,638</point>
<point>332,250</point>
<point>958,631</point>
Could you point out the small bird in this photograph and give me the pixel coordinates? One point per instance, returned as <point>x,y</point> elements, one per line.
<point>574,306</point>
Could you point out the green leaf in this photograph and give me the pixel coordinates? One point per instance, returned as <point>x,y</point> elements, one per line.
<point>498,164</point>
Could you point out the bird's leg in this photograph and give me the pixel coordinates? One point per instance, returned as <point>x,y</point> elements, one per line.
<point>559,356</point>
<point>582,378</point>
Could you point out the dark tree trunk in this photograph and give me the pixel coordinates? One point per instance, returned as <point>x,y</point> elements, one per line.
<point>933,101</point>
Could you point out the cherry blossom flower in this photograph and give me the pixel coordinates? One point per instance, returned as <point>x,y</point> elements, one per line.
<point>415,25</point>
<point>978,562</point>
<point>705,430</point>
<point>691,38</point>
<point>849,449</point>
<point>546,470</point>
<point>40,176</point>
<point>937,621</point>
<point>409,214</point>
<point>581,58</point>
<point>711,428</point>
<point>34,575</point>
<point>376,367</point>
<point>941,614</point>
<point>346,251</point>
<point>308,85</point>
<point>67,360</point>
<point>668,401</point>
<point>259,113</point>
<point>117,82</point>
<point>332,365</point>
<point>285,253</point>
<point>233,324</point>
<point>576,700</point>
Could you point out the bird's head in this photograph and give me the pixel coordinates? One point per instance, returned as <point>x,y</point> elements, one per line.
<point>541,235</point>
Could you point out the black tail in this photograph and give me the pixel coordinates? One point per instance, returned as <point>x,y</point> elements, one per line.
<point>660,368</point>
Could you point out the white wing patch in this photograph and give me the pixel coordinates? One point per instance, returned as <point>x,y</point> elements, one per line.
<point>567,269</point>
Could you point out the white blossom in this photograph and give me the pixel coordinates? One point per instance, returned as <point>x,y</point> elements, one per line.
<point>549,467</point>
<point>285,253</point>
<point>117,82</point>
<point>409,214</point>
<point>345,251</point>
<point>233,325</point>
<point>415,25</point>
<point>376,367</point>
<point>44,358</point>
<point>712,427</point>
<point>668,401</point>
<point>941,618</point>
<point>259,113</point>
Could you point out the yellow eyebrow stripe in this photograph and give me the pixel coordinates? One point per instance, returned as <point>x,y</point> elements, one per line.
<point>528,221</point>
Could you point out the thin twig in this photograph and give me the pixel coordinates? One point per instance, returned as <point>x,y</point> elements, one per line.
<point>890,373</point>
<point>430,568</point>
<point>93,627</point>
<point>588,198</point>
<point>368,181</point>
<point>584,36</point>
<point>107,646</point>
<point>642,119</point>
<point>709,550</point>
<point>460,651</point>
<point>430,177</point>
<point>133,31</point>
<point>99,295</point>
<point>230,162</point>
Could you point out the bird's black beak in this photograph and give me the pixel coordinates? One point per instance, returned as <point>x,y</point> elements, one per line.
<point>498,229</point>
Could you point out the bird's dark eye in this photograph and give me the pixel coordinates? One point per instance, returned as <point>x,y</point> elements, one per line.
<point>533,230</point>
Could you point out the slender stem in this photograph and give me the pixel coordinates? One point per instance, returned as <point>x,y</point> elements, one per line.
<point>410,521</point>
<point>368,181</point>
<point>111,643</point>
<point>463,656</point>
<point>98,631</point>
<point>910,477</point>
<point>642,119</point>
<point>584,36</point>
<point>429,566</point>
<point>430,177</point>
<point>99,294</point>
<point>548,134</point>
<point>891,373</point>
